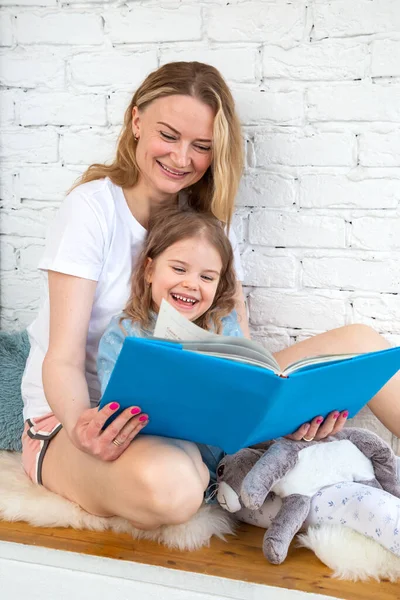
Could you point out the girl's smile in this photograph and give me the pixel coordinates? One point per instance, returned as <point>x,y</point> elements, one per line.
<point>186,275</point>
<point>184,301</point>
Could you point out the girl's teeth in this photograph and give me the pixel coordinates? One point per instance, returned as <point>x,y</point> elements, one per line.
<point>184,299</point>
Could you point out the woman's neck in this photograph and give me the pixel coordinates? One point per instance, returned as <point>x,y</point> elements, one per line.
<point>140,201</point>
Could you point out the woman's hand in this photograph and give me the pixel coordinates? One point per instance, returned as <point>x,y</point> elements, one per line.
<point>108,444</point>
<point>320,428</point>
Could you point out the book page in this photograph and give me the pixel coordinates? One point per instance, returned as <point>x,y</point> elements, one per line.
<point>235,349</point>
<point>171,325</point>
<point>315,361</point>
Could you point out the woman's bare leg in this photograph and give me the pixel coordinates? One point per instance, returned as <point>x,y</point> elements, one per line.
<point>156,481</point>
<point>353,338</point>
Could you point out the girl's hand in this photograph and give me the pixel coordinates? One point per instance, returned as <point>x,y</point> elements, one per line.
<point>110,443</point>
<point>320,428</point>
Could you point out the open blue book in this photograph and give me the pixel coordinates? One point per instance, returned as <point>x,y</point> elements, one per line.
<point>231,392</point>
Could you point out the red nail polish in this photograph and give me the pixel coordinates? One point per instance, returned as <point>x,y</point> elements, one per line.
<point>114,405</point>
<point>135,411</point>
<point>319,420</point>
<point>335,415</point>
<point>143,418</point>
<point>345,414</point>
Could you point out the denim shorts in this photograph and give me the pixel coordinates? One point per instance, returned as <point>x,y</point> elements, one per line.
<point>211,456</point>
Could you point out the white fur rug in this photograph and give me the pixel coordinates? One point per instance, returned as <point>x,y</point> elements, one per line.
<point>349,554</point>
<point>21,500</point>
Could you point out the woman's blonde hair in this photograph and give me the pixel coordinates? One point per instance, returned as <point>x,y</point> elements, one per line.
<point>168,225</point>
<point>217,189</point>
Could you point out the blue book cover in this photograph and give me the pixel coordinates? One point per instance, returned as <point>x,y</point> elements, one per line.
<point>223,402</point>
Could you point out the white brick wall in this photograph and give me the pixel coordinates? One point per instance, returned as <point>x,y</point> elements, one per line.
<point>317,84</point>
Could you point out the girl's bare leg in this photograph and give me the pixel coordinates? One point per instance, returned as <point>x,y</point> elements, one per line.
<point>353,338</point>
<point>155,482</point>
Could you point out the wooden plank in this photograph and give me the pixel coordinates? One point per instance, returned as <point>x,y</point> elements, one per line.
<point>240,559</point>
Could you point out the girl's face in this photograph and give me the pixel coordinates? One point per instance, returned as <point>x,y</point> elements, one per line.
<point>186,275</point>
<point>174,147</point>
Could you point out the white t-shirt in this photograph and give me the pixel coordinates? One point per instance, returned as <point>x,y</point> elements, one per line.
<point>94,236</point>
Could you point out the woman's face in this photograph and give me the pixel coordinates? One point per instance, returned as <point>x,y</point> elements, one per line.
<point>174,147</point>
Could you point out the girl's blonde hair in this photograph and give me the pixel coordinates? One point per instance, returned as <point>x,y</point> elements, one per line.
<point>168,225</point>
<point>217,189</point>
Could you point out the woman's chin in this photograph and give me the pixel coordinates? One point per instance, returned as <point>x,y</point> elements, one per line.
<point>165,185</point>
<point>169,188</point>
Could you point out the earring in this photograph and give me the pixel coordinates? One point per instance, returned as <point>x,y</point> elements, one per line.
<point>136,136</point>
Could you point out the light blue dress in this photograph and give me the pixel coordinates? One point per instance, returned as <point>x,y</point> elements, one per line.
<point>111,344</point>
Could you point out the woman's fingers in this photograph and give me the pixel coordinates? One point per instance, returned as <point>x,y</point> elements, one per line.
<point>320,428</point>
<point>340,421</point>
<point>129,432</point>
<point>116,428</point>
<point>108,443</point>
<point>313,429</point>
<point>99,419</point>
<point>300,433</point>
<point>333,423</point>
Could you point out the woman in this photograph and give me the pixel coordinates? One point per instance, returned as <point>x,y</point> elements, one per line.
<point>181,142</point>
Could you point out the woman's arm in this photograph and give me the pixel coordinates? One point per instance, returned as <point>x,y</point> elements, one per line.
<point>241,309</point>
<point>64,381</point>
<point>65,386</point>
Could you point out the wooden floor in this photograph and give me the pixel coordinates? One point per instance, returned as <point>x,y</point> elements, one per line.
<point>241,559</point>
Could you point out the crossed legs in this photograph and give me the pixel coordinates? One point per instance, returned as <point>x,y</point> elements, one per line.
<point>156,481</point>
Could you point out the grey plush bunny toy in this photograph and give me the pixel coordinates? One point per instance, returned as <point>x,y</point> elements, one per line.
<point>296,471</point>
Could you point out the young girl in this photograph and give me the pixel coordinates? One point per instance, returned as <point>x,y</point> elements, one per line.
<point>187,260</point>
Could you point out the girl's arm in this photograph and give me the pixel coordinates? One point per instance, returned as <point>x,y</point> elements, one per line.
<point>109,348</point>
<point>241,309</point>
